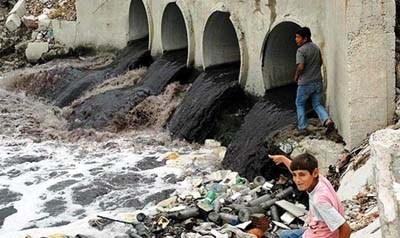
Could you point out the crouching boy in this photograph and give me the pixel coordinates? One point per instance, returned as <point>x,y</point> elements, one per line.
<point>326,215</point>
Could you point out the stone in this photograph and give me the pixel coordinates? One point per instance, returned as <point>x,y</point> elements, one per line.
<point>385,153</point>
<point>13,22</point>
<point>30,22</point>
<point>19,8</point>
<point>35,50</point>
<point>349,187</point>
<point>21,47</point>
<point>211,143</point>
<point>44,22</point>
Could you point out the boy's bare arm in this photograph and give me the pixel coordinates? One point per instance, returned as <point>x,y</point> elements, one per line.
<point>281,159</point>
<point>344,230</point>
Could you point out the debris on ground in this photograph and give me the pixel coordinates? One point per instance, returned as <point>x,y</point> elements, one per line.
<point>363,209</point>
<point>26,32</point>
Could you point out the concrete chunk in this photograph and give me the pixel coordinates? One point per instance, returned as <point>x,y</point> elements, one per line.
<point>19,8</point>
<point>35,50</point>
<point>385,153</point>
<point>292,208</point>
<point>13,22</point>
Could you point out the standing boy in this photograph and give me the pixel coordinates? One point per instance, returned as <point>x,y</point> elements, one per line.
<point>309,79</point>
<point>326,215</point>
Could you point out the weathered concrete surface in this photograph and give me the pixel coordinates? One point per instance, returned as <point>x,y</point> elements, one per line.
<point>360,65</point>
<point>385,151</point>
<point>354,37</point>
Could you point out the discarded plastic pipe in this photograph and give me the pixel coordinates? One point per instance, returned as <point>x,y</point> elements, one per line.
<point>185,214</point>
<point>258,201</point>
<point>275,213</point>
<point>259,180</point>
<point>245,213</point>
<point>285,193</point>
<point>268,203</point>
<point>140,217</point>
<point>229,218</point>
<point>188,213</point>
<point>237,207</point>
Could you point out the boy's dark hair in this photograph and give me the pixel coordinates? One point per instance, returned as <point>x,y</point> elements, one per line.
<point>304,162</point>
<point>304,32</point>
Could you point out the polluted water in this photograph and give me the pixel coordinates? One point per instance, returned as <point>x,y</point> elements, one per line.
<point>80,170</point>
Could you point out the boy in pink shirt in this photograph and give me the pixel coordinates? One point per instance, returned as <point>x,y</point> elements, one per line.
<point>326,216</point>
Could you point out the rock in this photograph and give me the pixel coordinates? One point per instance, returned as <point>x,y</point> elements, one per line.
<point>212,143</point>
<point>19,8</point>
<point>35,50</point>
<point>21,47</point>
<point>44,22</point>
<point>51,54</point>
<point>34,35</point>
<point>385,154</point>
<point>398,113</point>
<point>327,152</point>
<point>30,22</point>
<point>13,22</point>
<point>349,186</point>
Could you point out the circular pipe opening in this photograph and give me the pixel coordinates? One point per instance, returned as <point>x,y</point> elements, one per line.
<point>220,42</point>
<point>279,57</point>
<point>138,21</point>
<point>173,29</point>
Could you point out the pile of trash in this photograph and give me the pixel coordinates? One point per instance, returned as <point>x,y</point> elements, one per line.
<point>363,209</point>
<point>26,31</point>
<point>217,204</point>
<point>221,204</point>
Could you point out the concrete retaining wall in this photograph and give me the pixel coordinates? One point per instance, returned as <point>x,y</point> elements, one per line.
<point>356,37</point>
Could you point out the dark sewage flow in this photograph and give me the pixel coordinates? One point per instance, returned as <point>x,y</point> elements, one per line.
<point>98,110</point>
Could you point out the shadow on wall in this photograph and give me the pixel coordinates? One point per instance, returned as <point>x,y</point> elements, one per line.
<point>174,34</point>
<point>220,42</point>
<point>279,55</point>
<point>138,21</point>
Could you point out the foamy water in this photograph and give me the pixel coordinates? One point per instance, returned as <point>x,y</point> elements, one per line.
<point>65,181</point>
<point>62,183</point>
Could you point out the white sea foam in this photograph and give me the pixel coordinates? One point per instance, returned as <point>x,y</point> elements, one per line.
<point>64,161</point>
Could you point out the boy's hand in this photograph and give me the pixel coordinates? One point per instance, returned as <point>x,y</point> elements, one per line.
<point>278,159</point>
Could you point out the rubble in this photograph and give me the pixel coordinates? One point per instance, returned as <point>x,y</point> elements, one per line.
<point>35,50</point>
<point>13,22</point>
<point>19,8</point>
<point>362,209</point>
<point>228,204</point>
<point>29,20</point>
